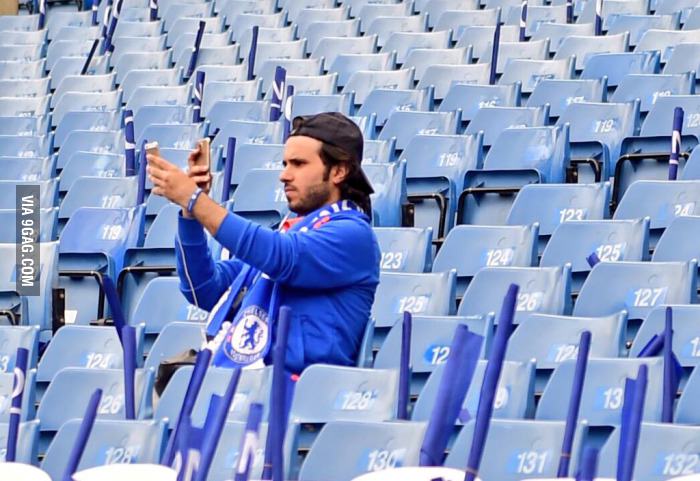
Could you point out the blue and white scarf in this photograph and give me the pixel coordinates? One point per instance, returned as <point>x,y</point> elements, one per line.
<point>248,338</point>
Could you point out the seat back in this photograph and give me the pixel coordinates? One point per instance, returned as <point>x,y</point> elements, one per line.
<point>470,248</point>
<point>344,450</point>
<point>543,290</point>
<point>405,249</point>
<point>514,398</point>
<point>664,450</point>
<point>603,390</point>
<point>494,120</point>
<point>517,449</point>
<point>420,294</point>
<point>110,442</point>
<point>553,205</point>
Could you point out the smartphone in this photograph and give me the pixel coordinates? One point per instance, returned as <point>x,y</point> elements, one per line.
<point>204,157</point>
<point>152,148</point>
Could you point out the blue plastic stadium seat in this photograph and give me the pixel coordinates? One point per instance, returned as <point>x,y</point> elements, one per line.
<point>326,393</point>
<point>514,396</point>
<point>435,170</point>
<point>431,338</point>
<point>174,11</point>
<point>649,88</point>
<point>24,106</point>
<point>24,146</point>
<point>494,120</point>
<point>57,20</point>
<point>89,141</point>
<point>311,104</point>
<point>389,184</point>
<point>27,169</point>
<point>423,58</point>
<point>558,31</point>
<point>92,347</point>
<point>346,64</point>
<point>137,28</point>
<point>684,333</point>
<point>250,203</point>
<point>248,132</point>
<point>14,337</point>
<point>156,77</point>
<point>315,32</point>
<point>66,48</point>
<point>76,101</point>
<point>78,384</point>
<point>344,450</point>
<point>665,40</point>
<point>20,126</point>
<point>537,15</point>
<point>102,192</point>
<point>83,83</point>
<point>612,241</point>
<point>661,115</point>
<point>47,225</point>
<point>405,249</point>
<point>403,42</point>
<point>383,102</point>
<point>509,52</point>
<point>86,120</point>
<point>662,201</point>
<point>148,115</point>
<point>48,193</point>
<point>443,77</point>
<point>528,154</point>
<point>94,240</point>
<point>141,61</point>
<point>28,399</point>
<point>552,205</point>
<point>174,339</point>
<point>419,294</point>
<point>470,248</point>
<point>91,164</point>
<point>21,37</point>
<point>551,340</point>
<point>26,87</point>
<point>329,48</point>
<point>637,25</point>
<point>295,67</point>
<point>362,82</point>
<point>405,124</point>
<point>682,58</point>
<point>158,95</point>
<point>686,409</point>
<point>378,151</point>
<point>543,290</point>
<point>584,47</point>
<point>186,25</point>
<point>22,70</point>
<point>27,447</point>
<point>604,123</point>
<point>517,449</point>
<point>673,244</point>
<point>586,10</point>
<point>470,97</point>
<point>253,386</point>
<point>603,390</point>
<point>638,288</point>
<point>211,42</point>
<point>664,450</point>
<point>110,442</point>
<point>227,453</point>
<point>224,110</point>
<point>172,136</point>
<point>530,72</point>
<point>616,66</point>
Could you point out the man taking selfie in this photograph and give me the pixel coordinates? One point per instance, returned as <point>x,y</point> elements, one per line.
<point>323,264</point>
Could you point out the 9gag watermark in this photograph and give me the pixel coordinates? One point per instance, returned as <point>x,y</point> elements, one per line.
<point>27,228</point>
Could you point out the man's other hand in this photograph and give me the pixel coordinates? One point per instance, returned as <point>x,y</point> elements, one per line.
<point>169,181</point>
<point>199,173</point>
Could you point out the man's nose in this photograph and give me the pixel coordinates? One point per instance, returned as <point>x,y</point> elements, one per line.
<point>285,175</point>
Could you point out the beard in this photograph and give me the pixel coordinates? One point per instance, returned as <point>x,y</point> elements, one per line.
<point>317,196</point>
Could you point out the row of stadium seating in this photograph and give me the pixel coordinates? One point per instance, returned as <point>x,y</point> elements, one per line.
<point>483,161</point>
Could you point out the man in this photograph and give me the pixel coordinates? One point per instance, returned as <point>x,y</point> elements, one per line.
<point>325,267</point>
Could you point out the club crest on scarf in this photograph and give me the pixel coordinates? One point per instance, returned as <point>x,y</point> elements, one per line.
<point>245,343</point>
<point>248,337</point>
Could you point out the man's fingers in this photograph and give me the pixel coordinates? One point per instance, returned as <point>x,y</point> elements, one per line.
<point>157,191</point>
<point>201,179</point>
<point>159,162</point>
<point>198,169</point>
<point>155,173</point>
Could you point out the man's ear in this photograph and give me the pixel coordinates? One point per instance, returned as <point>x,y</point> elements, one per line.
<point>339,173</point>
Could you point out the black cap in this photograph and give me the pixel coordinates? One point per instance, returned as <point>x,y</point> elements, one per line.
<point>334,128</point>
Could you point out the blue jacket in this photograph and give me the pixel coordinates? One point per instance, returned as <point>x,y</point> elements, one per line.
<point>327,276</point>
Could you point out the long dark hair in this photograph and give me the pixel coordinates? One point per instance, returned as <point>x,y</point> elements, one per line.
<point>332,156</point>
